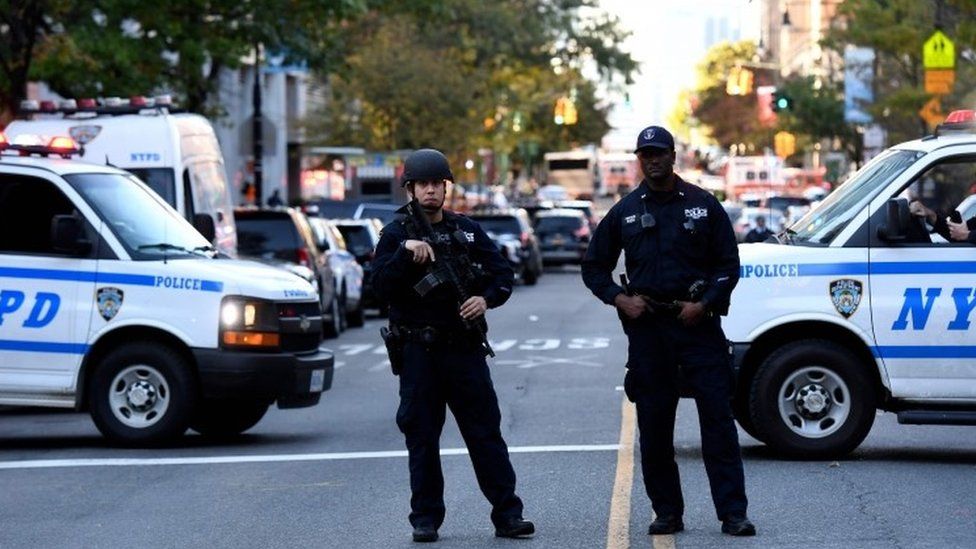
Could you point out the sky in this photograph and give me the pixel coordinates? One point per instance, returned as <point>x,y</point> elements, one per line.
<point>668,38</point>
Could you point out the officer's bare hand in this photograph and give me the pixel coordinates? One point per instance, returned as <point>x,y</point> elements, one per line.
<point>473,307</point>
<point>422,252</point>
<point>918,209</point>
<point>691,312</point>
<point>958,231</point>
<point>631,306</point>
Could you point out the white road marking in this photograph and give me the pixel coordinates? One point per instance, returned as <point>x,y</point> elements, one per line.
<point>533,318</point>
<point>355,348</point>
<point>381,366</point>
<point>589,343</point>
<point>503,345</point>
<point>340,364</point>
<point>536,361</point>
<point>539,345</point>
<point>281,458</point>
<point>618,388</point>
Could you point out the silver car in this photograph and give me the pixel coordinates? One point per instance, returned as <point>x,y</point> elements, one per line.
<point>347,271</point>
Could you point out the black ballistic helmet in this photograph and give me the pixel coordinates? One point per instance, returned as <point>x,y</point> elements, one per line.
<point>426,165</point>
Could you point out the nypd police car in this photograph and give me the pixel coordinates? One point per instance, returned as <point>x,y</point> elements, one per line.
<point>863,305</point>
<point>112,302</point>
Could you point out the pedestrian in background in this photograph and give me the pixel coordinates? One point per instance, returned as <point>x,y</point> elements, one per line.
<point>443,364</point>
<point>682,262</point>
<point>275,199</point>
<point>760,232</point>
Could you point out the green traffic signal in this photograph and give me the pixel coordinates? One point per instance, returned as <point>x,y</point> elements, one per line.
<point>781,102</point>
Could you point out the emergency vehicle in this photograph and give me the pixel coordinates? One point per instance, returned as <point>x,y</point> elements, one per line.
<point>861,307</point>
<point>111,302</point>
<point>175,153</point>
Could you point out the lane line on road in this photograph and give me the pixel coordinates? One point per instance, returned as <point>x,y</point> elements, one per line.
<point>336,456</point>
<point>618,528</point>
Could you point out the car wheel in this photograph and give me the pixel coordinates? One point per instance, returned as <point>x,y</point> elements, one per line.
<point>343,314</point>
<point>357,317</point>
<point>142,393</point>
<point>530,276</point>
<point>219,418</point>
<point>333,327</point>
<point>812,399</point>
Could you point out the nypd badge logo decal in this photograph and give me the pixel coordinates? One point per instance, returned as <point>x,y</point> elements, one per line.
<point>109,302</point>
<point>846,295</point>
<point>84,134</point>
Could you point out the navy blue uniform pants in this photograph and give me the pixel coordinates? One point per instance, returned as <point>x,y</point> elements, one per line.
<point>666,359</point>
<point>435,377</point>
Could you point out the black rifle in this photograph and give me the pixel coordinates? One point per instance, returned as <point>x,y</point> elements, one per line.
<point>452,266</point>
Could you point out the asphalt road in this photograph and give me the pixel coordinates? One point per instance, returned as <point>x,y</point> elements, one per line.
<point>335,475</point>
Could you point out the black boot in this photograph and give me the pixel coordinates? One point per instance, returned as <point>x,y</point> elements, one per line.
<point>514,528</point>
<point>665,525</point>
<point>738,525</point>
<point>424,534</point>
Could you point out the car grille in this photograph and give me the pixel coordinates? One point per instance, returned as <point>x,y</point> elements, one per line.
<point>301,327</point>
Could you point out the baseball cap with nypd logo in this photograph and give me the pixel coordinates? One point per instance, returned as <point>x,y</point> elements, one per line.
<point>654,136</point>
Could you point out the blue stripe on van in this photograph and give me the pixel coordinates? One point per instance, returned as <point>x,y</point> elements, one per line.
<point>98,278</point>
<point>925,351</point>
<point>44,347</point>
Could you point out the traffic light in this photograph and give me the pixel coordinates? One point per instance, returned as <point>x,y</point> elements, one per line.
<point>781,101</point>
<point>785,144</point>
<point>565,112</point>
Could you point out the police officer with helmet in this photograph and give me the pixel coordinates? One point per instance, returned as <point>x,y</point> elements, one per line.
<point>682,263</point>
<point>440,360</point>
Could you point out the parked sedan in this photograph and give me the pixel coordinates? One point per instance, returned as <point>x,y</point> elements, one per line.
<point>348,272</point>
<point>563,235</point>
<point>361,236</point>
<point>283,237</point>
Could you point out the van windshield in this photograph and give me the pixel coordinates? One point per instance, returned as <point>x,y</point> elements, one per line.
<point>147,227</point>
<point>160,180</point>
<point>822,224</point>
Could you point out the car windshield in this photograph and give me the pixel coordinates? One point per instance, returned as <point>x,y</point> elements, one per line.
<point>558,224</point>
<point>147,227</point>
<point>267,237</point>
<point>357,237</point>
<point>499,224</point>
<point>385,214</point>
<point>822,224</point>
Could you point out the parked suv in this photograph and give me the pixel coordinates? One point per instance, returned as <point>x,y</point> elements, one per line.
<point>284,238</point>
<point>512,232</point>
<point>361,237</point>
<point>347,271</point>
<point>563,235</point>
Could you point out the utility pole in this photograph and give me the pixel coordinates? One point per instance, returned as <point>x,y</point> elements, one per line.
<point>257,129</point>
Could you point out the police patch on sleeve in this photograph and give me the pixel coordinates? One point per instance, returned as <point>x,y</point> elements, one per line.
<point>846,295</point>
<point>109,302</point>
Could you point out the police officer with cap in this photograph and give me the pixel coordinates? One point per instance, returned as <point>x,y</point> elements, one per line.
<point>442,363</point>
<point>682,263</point>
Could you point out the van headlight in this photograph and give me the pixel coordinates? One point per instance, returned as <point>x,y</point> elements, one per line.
<point>248,323</point>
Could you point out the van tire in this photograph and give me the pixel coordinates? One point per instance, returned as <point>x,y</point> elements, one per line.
<point>223,418</point>
<point>142,393</point>
<point>812,399</point>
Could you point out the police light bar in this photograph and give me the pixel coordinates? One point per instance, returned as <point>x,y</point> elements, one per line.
<point>105,106</point>
<point>29,144</point>
<point>961,120</point>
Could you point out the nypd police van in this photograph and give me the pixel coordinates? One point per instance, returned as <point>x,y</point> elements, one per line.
<point>112,302</point>
<point>864,306</point>
<point>175,153</point>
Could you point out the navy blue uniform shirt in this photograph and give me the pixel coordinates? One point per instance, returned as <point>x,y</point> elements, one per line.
<point>395,274</point>
<point>692,239</point>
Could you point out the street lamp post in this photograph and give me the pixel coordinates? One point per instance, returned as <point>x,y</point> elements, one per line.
<point>257,129</point>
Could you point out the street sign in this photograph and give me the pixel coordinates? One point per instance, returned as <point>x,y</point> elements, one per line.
<point>932,112</point>
<point>939,52</point>
<point>939,81</point>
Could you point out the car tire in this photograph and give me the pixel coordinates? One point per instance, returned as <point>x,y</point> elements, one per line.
<point>530,276</point>
<point>343,314</point>
<point>142,393</point>
<point>223,418</point>
<point>357,317</point>
<point>333,327</point>
<point>812,399</point>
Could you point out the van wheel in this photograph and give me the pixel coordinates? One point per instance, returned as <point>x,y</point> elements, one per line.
<point>334,326</point>
<point>812,399</point>
<point>221,418</point>
<point>142,393</point>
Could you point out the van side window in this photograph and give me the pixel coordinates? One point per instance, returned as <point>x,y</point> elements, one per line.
<point>944,188</point>
<point>188,195</point>
<point>27,207</point>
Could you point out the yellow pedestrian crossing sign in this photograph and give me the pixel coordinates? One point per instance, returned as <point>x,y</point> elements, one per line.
<point>939,52</point>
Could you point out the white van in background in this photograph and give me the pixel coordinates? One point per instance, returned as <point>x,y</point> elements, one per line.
<point>176,154</point>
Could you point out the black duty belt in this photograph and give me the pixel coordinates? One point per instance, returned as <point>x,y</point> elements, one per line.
<point>431,335</point>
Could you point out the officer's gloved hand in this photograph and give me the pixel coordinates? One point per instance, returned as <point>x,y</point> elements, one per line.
<point>422,252</point>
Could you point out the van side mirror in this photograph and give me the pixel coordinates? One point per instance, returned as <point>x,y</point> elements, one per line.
<point>68,236</point>
<point>897,219</point>
<point>204,224</point>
